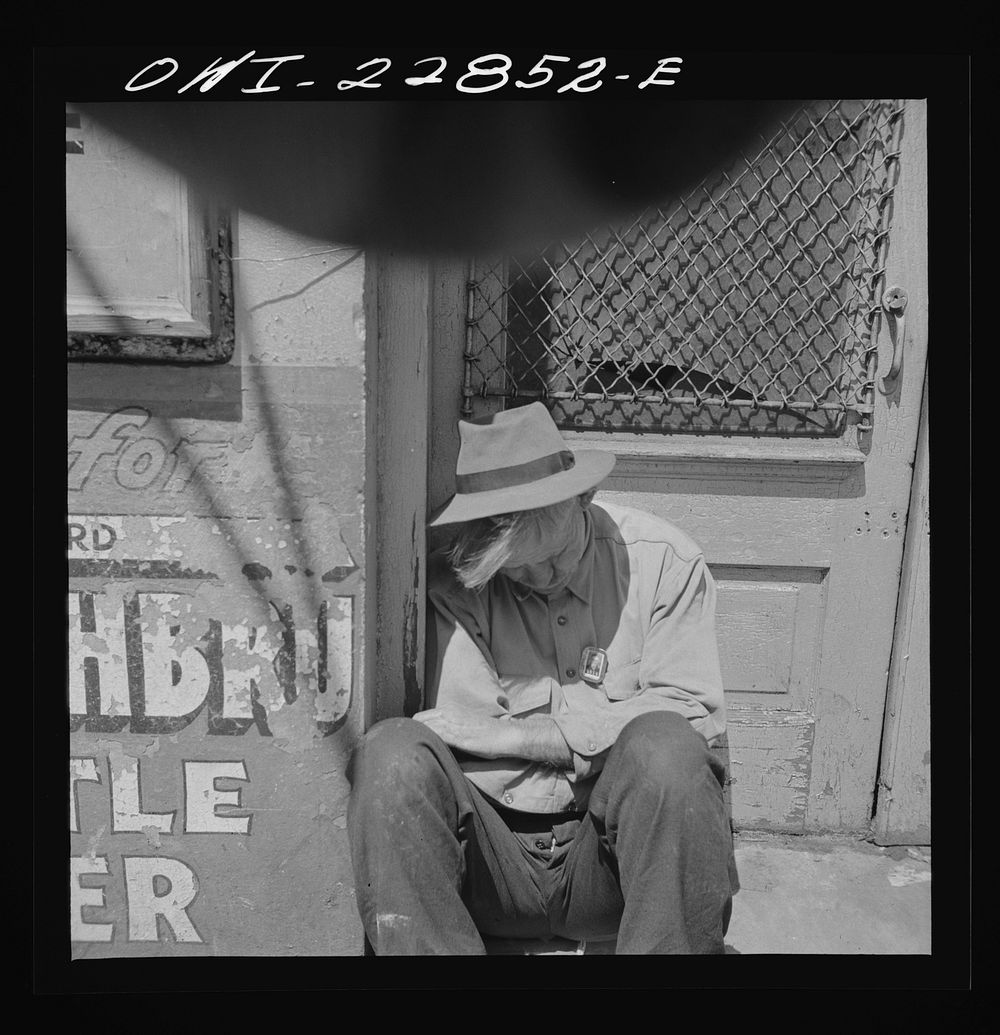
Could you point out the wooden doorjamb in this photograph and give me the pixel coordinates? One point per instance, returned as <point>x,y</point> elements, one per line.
<point>397,309</point>
<point>902,814</point>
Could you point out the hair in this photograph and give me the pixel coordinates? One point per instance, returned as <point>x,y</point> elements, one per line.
<point>482,547</point>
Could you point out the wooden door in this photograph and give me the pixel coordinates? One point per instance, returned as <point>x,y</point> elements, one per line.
<point>802,522</point>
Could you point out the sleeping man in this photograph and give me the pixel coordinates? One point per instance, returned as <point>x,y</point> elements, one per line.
<point>561,781</point>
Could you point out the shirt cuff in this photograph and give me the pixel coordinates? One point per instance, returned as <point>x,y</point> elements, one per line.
<point>587,739</point>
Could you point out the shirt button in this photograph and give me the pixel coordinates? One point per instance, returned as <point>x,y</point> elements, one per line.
<point>508,798</point>
<point>562,619</point>
<point>541,844</point>
<point>592,746</point>
<point>571,672</point>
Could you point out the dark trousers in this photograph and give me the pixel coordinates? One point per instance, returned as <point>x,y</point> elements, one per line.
<point>436,863</point>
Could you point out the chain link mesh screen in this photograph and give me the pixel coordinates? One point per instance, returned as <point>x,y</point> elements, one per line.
<point>749,305</point>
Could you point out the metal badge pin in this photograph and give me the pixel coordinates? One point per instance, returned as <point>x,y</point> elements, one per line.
<point>593,665</point>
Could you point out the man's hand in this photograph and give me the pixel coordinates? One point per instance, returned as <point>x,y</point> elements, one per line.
<point>469,731</point>
<point>537,738</point>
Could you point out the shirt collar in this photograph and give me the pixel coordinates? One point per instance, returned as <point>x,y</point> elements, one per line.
<point>581,584</point>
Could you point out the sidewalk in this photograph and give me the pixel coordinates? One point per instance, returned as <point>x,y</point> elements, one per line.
<point>819,895</point>
<point>829,895</point>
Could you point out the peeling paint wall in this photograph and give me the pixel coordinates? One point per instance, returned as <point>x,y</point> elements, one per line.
<point>216,596</point>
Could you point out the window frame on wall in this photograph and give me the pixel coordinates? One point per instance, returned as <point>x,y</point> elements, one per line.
<point>187,318</point>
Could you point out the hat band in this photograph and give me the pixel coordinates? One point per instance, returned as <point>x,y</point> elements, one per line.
<point>518,474</point>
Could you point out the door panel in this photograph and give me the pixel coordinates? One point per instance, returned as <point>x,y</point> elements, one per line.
<point>803,532</point>
<point>769,621</point>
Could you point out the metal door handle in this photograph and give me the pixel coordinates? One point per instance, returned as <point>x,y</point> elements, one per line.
<point>894,303</point>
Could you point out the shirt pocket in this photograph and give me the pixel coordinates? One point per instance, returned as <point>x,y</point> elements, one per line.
<point>526,695</point>
<point>622,681</point>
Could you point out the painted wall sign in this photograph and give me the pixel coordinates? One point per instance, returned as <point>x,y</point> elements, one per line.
<point>155,660</point>
<point>216,559</point>
<point>139,461</point>
<point>158,889</point>
<point>172,667</point>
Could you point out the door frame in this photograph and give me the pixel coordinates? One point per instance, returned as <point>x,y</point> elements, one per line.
<point>397,333</point>
<point>903,805</point>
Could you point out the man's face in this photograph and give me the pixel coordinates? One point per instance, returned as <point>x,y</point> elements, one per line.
<point>548,549</point>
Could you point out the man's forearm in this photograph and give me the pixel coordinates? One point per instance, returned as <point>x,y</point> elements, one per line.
<point>538,739</point>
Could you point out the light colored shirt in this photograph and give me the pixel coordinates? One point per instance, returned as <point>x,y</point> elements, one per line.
<point>642,593</point>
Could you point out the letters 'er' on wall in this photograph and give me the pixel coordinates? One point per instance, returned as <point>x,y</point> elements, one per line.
<point>216,555</point>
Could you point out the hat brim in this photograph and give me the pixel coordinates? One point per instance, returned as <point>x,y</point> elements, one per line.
<point>591,468</point>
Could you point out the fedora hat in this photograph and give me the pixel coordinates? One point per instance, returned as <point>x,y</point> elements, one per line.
<point>517,460</point>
